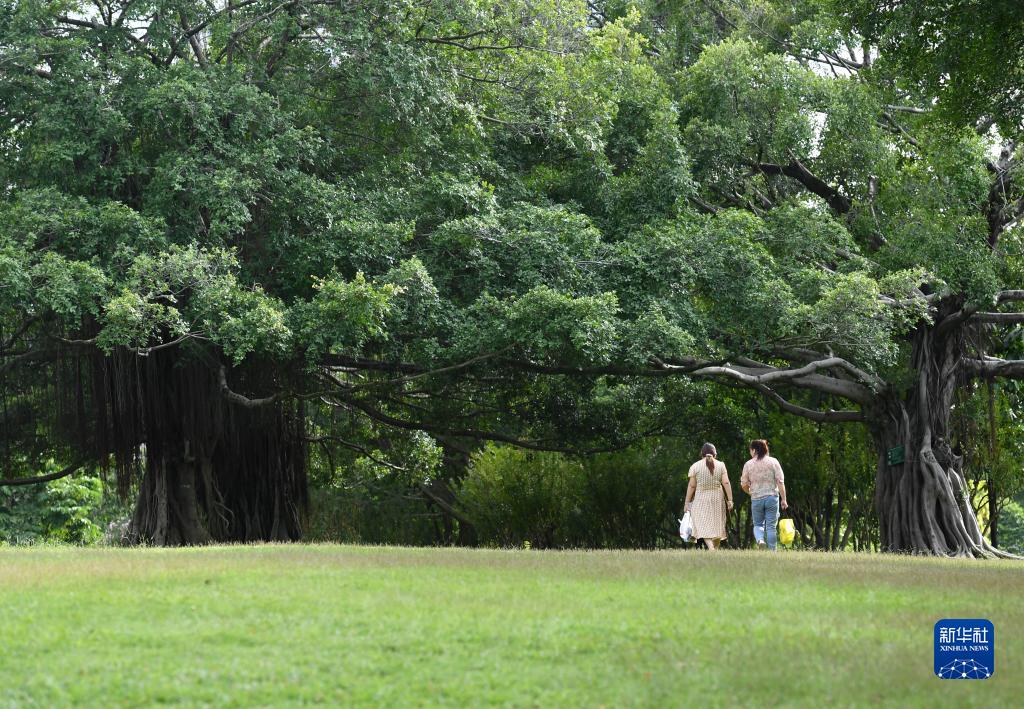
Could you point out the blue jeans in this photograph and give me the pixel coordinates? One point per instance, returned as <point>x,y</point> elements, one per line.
<point>766,519</point>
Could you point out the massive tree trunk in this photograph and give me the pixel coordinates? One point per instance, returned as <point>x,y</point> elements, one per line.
<point>167,508</point>
<point>211,469</point>
<point>922,501</point>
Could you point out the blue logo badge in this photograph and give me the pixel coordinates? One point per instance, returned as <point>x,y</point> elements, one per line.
<point>964,649</point>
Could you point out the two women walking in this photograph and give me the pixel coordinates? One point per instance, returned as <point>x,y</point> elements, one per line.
<point>709,495</point>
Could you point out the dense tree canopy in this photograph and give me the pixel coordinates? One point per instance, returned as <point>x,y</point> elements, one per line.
<point>234,235</point>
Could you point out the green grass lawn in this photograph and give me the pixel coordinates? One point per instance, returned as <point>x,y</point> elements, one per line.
<point>297,624</point>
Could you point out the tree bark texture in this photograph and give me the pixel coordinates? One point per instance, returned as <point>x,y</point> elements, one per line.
<point>205,469</point>
<point>922,503</point>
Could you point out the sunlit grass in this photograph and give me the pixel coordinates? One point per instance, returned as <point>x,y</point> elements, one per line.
<point>298,624</point>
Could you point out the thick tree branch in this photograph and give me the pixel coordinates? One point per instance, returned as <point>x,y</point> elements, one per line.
<point>229,45</point>
<point>381,417</point>
<point>919,297</point>
<point>10,361</point>
<point>999,318</point>
<point>193,40</point>
<point>11,482</point>
<point>128,34</point>
<point>900,129</point>
<point>990,367</point>
<point>1007,296</point>
<point>22,329</point>
<point>660,369</point>
<point>469,363</point>
<point>749,372</point>
<point>830,416</point>
<point>971,312</point>
<point>907,109</point>
<point>241,400</point>
<point>839,202</point>
<point>362,450</point>
<point>814,363</point>
<point>998,210</point>
<point>443,504</point>
<point>755,377</point>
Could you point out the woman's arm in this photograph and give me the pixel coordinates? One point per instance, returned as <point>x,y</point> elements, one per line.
<point>745,481</point>
<point>690,490</point>
<point>780,481</point>
<point>727,489</point>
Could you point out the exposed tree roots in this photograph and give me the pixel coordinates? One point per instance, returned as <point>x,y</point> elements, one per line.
<point>923,503</point>
<point>205,469</point>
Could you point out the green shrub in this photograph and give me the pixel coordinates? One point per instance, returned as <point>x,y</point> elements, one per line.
<point>72,510</point>
<point>514,496</point>
<point>624,499</point>
<point>630,499</point>
<point>390,516</point>
<point>1011,527</point>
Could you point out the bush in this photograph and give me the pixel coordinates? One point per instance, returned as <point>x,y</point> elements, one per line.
<point>626,499</point>
<point>514,496</point>
<point>631,499</point>
<point>73,510</point>
<point>1011,527</point>
<point>355,517</point>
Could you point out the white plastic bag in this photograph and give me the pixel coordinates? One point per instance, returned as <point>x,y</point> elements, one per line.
<point>686,527</point>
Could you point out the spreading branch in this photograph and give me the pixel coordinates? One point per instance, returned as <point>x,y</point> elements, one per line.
<point>991,367</point>
<point>236,398</point>
<point>755,376</point>
<point>796,170</point>
<point>362,450</point>
<point>999,318</point>
<point>35,480</point>
<point>830,416</point>
<point>395,422</point>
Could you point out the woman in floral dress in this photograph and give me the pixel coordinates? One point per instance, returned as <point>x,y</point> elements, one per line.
<point>708,496</point>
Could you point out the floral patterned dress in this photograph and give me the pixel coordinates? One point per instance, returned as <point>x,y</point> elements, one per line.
<point>707,511</point>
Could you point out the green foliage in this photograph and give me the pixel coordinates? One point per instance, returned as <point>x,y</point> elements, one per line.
<point>499,192</point>
<point>1011,527</point>
<point>736,103</point>
<point>73,510</point>
<point>514,496</point>
<point>342,315</point>
<point>989,424</point>
<point>632,499</point>
<point>830,477</point>
<point>544,325</point>
<point>513,251</point>
<point>969,54</point>
<point>626,499</point>
<point>555,162</point>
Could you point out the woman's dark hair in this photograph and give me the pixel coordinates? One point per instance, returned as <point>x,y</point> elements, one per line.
<point>760,448</point>
<point>709,453</point>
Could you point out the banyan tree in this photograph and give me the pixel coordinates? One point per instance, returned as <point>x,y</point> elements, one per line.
<point>234,233</point>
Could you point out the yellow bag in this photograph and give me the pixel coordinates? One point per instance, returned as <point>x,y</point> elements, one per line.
<point>787,531</point>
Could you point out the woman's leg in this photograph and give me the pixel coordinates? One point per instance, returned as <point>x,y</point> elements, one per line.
<point>712,544</point>
<point>771,520</point>
<point>757,512</point>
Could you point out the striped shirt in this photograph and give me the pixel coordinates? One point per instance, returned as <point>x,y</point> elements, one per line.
<point>763,476</point>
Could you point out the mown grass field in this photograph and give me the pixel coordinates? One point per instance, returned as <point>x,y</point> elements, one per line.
<point>288,625</point>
